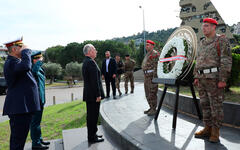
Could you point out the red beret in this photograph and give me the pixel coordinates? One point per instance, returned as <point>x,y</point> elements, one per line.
<point>210,20</point>
<point>150,42</point>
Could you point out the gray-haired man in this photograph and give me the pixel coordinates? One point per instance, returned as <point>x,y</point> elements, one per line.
<point>92,91</point>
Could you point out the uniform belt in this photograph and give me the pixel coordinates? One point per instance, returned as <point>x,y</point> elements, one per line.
<point>148,71</point>
<point>206,71</point>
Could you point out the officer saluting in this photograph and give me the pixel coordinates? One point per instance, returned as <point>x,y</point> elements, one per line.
<point>213,66</point>
<point>22,97</point>
<point>39,74</point>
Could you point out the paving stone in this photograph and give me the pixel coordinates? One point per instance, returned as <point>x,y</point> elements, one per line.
<point>55,145</point>
<point>125,120</point>
<point>76,139</point>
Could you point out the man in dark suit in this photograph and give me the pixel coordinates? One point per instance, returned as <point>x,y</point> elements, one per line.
<point>22,97</point>
<point>109,70</point>
<point>92,91</point>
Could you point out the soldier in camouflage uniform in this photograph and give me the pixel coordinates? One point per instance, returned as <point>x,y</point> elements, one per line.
<point>213,66</point>
<point>149,67</point>
<point>129,65</point>
<point>120,70</point>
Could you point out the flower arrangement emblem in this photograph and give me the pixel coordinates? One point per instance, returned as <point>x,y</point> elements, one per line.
<point>173,58</point>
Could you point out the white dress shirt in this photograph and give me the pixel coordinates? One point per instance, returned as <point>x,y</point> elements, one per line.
<point>107,63</point>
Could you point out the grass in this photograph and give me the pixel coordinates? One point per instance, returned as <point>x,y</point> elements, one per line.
<point>55,119</point>
<point>232,96</point>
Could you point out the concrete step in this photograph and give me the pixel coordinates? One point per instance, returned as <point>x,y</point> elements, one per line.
<point>55,145</point>
<point>76,139</point>
<point>125,122</point>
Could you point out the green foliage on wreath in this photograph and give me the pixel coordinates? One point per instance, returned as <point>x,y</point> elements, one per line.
<point>167,66</point>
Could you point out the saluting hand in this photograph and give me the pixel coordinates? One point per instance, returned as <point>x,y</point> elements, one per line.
<point>23,47</point>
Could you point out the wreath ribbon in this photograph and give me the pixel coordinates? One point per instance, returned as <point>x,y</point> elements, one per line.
<point>178,57</point>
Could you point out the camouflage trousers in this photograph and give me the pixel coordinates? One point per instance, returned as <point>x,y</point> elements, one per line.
<point>150,91</point>
<point>211,100</point>
<point>118,80</point>
<point>129,76</point>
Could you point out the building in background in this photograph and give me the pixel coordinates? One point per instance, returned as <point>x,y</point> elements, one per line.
<point>237,29</point>
<point>194,11</point>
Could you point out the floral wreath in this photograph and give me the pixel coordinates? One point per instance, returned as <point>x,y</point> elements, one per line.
<point>172,59</point>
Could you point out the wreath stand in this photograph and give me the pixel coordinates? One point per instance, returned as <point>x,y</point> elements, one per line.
<point>175,83</point>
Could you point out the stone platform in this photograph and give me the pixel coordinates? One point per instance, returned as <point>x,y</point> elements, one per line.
<point>125,123</point>
<point>76,139</point>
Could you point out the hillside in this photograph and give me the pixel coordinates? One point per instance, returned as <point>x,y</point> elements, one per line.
<point>160,35</point>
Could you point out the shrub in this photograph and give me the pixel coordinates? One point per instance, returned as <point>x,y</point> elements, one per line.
<point>234,78</point>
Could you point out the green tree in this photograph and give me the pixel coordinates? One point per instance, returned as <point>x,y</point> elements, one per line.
<point>72,53</point>
<point>52,70</point>
<point>53,54</point>
<point>132,47</point>
<point>73,70</point>
<point>236,49</point>
<point>237,38</point>
<point>140,55</point>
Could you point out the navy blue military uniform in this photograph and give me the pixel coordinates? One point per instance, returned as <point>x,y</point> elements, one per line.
<point>22,97</point>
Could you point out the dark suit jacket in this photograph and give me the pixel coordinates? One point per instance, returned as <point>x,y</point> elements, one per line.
<point>112,67</point>
<point>22,95</point>
<point>92,81</point>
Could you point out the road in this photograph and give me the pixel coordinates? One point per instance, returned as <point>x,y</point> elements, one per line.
<point>62,95</point>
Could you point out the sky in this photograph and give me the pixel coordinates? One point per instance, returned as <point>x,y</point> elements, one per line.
<point>47,23</point>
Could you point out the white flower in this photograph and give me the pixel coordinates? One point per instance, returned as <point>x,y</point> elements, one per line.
<point>178,43</point>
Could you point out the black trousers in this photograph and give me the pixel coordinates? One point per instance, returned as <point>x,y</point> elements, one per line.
<point>109,79</point>
<point>19,124</point>
<point>92,118</point>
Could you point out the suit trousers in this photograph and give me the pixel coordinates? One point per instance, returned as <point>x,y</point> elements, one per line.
<point>19,124</point>
<point>36,134</point>
<point>92,118</point>
<point>109,79</point>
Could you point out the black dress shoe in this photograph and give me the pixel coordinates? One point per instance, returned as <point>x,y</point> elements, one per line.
<point>96,139</point>
<point>45,143</point>
<point>114,97</point>
<point>39,147</point>
<point>100,136</point>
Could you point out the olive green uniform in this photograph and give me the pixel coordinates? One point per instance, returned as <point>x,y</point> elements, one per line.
<point>129,68</point>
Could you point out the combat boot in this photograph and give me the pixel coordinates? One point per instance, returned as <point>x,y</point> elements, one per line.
<point>132,90</point>
<point>146,111</point>
<point>214,138</point>
<point>204,133</point>
<point>151,112</point>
